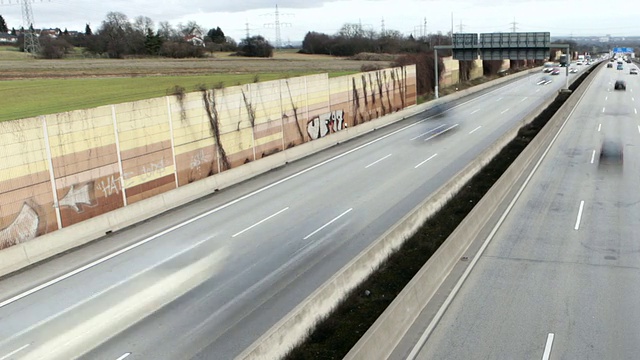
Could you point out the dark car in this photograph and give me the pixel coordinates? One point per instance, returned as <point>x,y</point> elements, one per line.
<point>620,85</point>
<point>633,71</point>
<point>609,65</point>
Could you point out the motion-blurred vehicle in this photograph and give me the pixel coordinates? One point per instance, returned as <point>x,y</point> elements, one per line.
<point>620,85</point>
<point>633,71</point>
<point>611,153</point>
<point>573,70</point>
<point>620,67</point>
<point>609,65</point>
<point>544,80</point>
<point>555,72</point>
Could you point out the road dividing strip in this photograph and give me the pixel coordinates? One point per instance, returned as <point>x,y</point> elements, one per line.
<point>431,157</point>
<point>476,129</point>
<point>327,224</point>
<point>260,222</point>
<point>14,352</point>
<point>428,132</point>
<point>441,132</point>
<point>579,215</point>
<point>377,161</point>
<point>547,347</point>
<point>82,338</point>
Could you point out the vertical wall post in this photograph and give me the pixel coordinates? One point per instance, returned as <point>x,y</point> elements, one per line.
<point>52,177</point>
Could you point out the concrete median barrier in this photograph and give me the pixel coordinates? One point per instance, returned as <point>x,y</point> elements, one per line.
<point>384,335</point>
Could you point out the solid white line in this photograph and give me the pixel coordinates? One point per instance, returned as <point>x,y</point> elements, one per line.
<point>230,203</point>
<point>428,132</point>
<point>260,222</point>
<point>504,111</point>
<point>327,224</point>
<point>547,347</point>
<point>425,335</point>
<point>593,156</point>
<point>124,356</point>
<point>599,127</point>
<point>440,133</point>
<point>474,111</point>
<point>476,129</point>
<point>377,161</point>
<point>14,352</point>
<point>432,156</point>
<point>579,215</point>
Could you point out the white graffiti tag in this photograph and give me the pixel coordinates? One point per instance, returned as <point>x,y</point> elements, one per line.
<point>23,228</point>
<point>325,124</point>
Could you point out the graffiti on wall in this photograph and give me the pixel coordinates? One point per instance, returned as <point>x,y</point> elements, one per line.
<point>323,125</point>
<point>78,196</point>
<point>199,166</point>
<point>22,229</point>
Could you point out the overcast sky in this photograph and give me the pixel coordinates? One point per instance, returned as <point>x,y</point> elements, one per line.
<point>560,17</point>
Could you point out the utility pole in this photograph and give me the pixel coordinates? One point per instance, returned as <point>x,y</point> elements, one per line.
<point>424,34</point>
<point>513,25</point>
<point>248,35</point>
<point>382,29</point>
<point>452,27</point>
<point>461,27</point>
<point>31,39</point>
<point>277,24</point>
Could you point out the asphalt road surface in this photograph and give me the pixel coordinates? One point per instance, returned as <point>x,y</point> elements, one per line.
<point>206,280</point>
<point>561,277</point>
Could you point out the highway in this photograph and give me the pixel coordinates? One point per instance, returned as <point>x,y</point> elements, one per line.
<point>561,277</point>
<point>205,280</point>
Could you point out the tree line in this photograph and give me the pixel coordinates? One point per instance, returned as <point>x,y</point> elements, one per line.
<point>119,37</point>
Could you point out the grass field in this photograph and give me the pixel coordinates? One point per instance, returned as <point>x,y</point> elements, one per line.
<point>31,87</point>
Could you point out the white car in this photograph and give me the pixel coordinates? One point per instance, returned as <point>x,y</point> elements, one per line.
<point>573,70</point>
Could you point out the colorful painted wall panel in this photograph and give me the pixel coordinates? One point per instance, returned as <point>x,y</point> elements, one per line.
<point>26,195</point>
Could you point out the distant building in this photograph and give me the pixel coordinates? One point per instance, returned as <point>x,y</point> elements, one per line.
<point>7,38</point>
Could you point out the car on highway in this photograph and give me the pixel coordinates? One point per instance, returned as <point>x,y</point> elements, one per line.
<point>555,72</point>
<point>620,85</point>
<point>544,80</point>
<point>609,65</point>
<point>633,71</point>
<point>579,63</point>
<point>573,70</point>
<point>620,67</point>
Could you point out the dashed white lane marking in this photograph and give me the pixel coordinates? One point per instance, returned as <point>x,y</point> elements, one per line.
<point>261,221</point>
<point>431,157</point>
<point>14,352</point>
<point>377,161</point>
<point>475,111</point>
<point>327,224</point>
<point>639,128</point>
<point>547,347</point>
<point>579,215</point>
<point>504,111</point>
<point>499,99</point>
<point>537,90</point>
<point>428,132</point>
<point>124,356</point>
<point>441,132</point>
<point>602,109</point>
<point>599,127</point>
<point>523,99</point>
<point>593,156</point>
<point>636,111</point>
<point>606,98</point>
<point>474,130</point>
